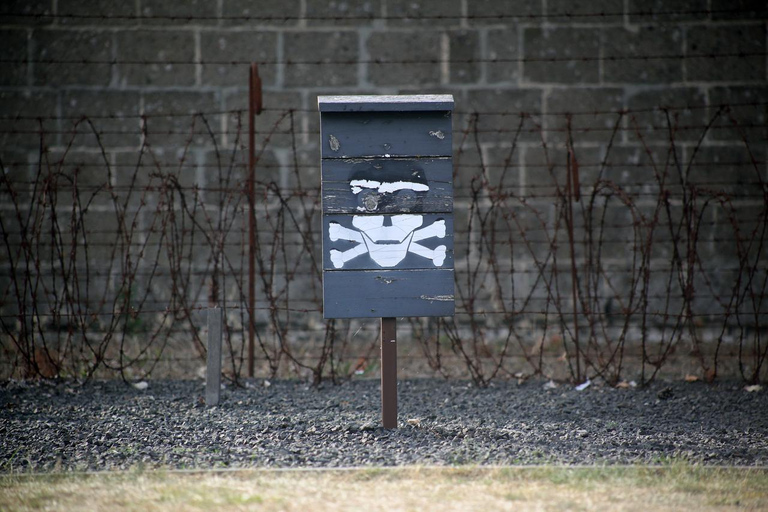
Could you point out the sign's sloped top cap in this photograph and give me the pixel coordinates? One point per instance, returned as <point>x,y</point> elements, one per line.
<point>384,103</point>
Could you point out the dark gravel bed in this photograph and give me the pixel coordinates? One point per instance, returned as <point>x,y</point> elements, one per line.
<point>110,425</point>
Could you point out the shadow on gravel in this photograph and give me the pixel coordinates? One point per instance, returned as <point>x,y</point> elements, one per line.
<point>110,425</point>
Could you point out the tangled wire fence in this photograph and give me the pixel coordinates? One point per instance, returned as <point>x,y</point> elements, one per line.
<point>588,245</point>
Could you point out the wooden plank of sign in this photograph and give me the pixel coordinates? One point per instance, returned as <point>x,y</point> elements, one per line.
<point>377,180</point>
<point>387,134</point>
<point>396,293</point>
<point>385,103</point>
<point>364,262</point>
<point>433,169</point>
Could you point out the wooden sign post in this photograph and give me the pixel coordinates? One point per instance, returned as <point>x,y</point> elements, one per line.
<point>387,192</point>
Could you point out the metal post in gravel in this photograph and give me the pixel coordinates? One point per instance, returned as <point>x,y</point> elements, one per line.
<point>213,373</point>
<point>389,372</point>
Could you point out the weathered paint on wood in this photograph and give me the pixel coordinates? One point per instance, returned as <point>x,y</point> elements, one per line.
<point>381,185</point>
<point>433,169</point>
<point>399,103</point>
<point>387,134</point>
<point>395,293</point>
<point>338,199</point>
<point>387,193</point>
<point>352,246</point>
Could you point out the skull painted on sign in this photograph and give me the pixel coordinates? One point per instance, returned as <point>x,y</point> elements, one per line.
<point>388,239</point>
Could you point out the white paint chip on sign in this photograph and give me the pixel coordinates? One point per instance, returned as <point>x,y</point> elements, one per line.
<point>333,142</point>
<point>387,187</point>
<point>387,245</point>
<point>439,134</point>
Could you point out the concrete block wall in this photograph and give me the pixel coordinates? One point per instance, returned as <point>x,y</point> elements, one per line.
<point>115,62</point>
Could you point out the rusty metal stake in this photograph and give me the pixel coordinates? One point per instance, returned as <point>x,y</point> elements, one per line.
<point>389,372</point>
<point>572,192</point>
<point>254,109</point>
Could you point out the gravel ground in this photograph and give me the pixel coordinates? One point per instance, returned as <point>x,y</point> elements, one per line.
<point>110,425</point>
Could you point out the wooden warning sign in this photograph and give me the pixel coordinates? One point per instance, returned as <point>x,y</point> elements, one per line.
<point>387,195</point>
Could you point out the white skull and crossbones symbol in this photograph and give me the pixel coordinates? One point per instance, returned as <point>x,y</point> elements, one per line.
<point>387,245</point>
<point>387,239</point>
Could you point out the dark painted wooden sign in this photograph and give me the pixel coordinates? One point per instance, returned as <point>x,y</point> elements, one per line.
<point>387,192</point>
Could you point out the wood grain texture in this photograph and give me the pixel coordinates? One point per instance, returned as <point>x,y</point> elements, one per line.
<point>372,134</point>
<point>385,103</point>
<point>340,197</point>
<point>389,293</point>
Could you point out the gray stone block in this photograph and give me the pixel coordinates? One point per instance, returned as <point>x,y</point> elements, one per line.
<point>594,114</point>
<point>223,46</point>
<point>269,170</point>
<point>639,172</point>
<point>585,11</point>
<point>660,115</point>
<point>704,43</point>
<point>303,165</point>
<point>499,114</point>
<point>273,125</point>
<point>546,171</point>
<point>744,115</point>
<point>254,13</point>
<point>420,51</point>
<point>182,129</point>
<point>97,12</point>
<point>466,164</point>
<point>189,12</point>
<point>27,12</point>
<point>503,45</point>
<point>16,187</point>
<point>83,177</point>
<point>423,13</point>
<point>492,12</point>
<point>739,10</point>
<point>339,13</point>
<point>743,223</point>
<point>18,126</point>
<point>622,47</point>
<point>15,48</point>
<point>72,47</point>
<point>660,11</point>
<point>139,178</point>
<point>320,59</point>
<point>730,170</point>
<point>503,169</point>
<point>156,57</point>
<point>113,114</point>
<point>569,47</point>
<point>464,54</point>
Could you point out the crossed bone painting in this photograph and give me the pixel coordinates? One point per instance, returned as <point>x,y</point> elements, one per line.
<point>387,239</point>
<point>387,200</point>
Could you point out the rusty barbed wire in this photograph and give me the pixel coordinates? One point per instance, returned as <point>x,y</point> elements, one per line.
<point>378,61</point>
<point>530,130</point>
<point>104,272</point>
<point>507,113</point>
<point>527,16</point>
